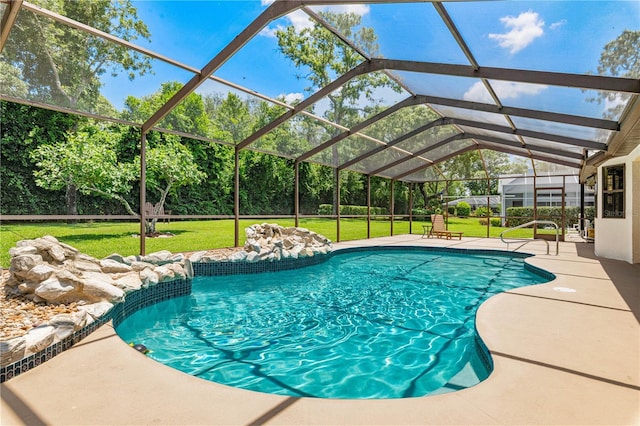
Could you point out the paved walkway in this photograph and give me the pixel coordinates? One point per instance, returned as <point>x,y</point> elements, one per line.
<point>565,352</point>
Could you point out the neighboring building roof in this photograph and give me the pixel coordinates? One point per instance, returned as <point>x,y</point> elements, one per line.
<point>478,201</point>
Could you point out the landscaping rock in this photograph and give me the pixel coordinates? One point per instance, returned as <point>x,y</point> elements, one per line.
<point>111,266</point>
<point>39,338</point>
<point>12,350</point>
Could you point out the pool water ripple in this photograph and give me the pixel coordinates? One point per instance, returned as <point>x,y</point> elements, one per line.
<point>376,324</point>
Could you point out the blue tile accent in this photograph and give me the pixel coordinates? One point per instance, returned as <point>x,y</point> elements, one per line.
<point>230,268</point>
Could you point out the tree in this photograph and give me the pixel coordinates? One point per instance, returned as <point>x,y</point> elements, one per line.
<point>193,115</point>
<point>170,165</point>
<point>619,58</point>
<point>189,116</point>
<point>87,160</point>
<point>324,57</point>
<point>62,65</point>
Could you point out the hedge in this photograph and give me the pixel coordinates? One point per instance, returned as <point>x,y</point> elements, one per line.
<point>346,210</point>
<point>519,215</point>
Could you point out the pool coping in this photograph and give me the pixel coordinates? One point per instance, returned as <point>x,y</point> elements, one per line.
<point>547,368</point>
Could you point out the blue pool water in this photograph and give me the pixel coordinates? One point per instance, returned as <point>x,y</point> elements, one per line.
<point>364,324</point>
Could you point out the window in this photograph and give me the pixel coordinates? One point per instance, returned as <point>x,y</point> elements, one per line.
<point>613,192</point>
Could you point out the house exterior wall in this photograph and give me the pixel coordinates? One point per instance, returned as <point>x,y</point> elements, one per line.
<point>519,193</point>
<point>619,238</point>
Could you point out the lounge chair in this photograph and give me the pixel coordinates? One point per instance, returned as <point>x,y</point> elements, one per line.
<point>438,228</point>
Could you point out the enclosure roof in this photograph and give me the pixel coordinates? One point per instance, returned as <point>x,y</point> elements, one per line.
<point>395,89</point>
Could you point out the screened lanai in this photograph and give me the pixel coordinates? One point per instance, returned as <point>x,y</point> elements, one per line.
<point>390,89</point>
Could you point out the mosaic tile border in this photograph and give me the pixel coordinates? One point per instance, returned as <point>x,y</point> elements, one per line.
<point>449,250</point>
<point>232,268</point>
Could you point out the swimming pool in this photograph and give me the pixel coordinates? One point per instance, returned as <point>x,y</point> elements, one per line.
<point>379,323</point>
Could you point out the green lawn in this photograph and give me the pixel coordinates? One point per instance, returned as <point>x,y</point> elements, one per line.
<point>100,239</point>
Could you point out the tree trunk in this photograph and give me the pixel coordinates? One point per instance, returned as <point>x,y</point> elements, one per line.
<point>150,225</point>
<point>425,197</point>
<point>71,199</point>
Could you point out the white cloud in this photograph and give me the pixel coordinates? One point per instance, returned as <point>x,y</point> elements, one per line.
<point>358,9</point>
<point>298,19</point>
<point>558,24</point>
<point>524,29</point>
<point>291,98</point>
<point>504,89</point>
<point>301,20</point>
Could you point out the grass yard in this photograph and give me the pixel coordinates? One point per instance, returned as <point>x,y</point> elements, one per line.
<point>100,239</point>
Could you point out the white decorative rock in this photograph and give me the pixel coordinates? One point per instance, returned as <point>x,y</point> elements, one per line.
<point>54,290</point>
<point>96,310</point>
<point>253,257</point>
<point>149,277</point>
<point>128,282</point>
<point>188,268</point>
<point>197,256</point>
<point>164,274</point>
<point>57,253</point>
<point>83,265</point>
<point>21,265</point>
<point>158,258</point>
<point>110,266</point>
<point>238,256</point>
<point>22,250</point>
<point>140,266</point>
<point>39,338</point>
<point>12,350</point>
<point>64,326</point>
<point>177,269</point>
<point>40,272</point>
<point>100,287</point>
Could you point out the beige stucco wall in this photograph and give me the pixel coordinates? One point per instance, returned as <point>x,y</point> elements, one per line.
<point>620,238</point>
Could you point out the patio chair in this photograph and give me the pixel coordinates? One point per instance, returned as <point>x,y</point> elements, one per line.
<point>150,209</point>
<point>439,229</point>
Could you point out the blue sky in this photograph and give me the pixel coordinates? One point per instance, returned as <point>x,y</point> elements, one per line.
<point>561,36</point>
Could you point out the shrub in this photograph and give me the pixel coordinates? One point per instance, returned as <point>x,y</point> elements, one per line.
<point>496,221</point>
<point>519,215</point>
<point>420,212</point>
<point>482,212</point>
<point>346,210</point>
<point>483,222</point>
<point>463,208</point>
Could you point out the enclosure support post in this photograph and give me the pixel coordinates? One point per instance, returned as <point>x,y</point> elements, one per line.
<point>337,205</point>
<point>391,206</point>
<point>236,199</point>
<point>581,221</point>
<point>488,206</point>
<point>446,203</point>
<point>368,206</point>
<point>411,208</point>
<point>143,191</point>
<point>296,193</point>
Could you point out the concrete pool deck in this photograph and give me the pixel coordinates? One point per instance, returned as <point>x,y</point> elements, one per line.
<point>565,352</point>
